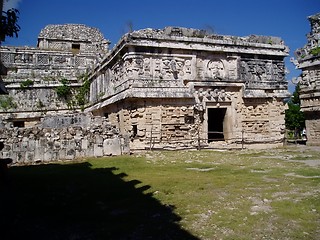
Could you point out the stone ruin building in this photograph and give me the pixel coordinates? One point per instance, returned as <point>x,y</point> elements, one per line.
<point>308,60</point>
<point>156,89</point>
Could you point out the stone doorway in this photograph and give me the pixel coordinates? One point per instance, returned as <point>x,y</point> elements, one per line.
<point>215,118</point>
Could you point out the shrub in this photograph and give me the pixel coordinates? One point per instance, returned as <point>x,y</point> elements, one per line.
<point>63,91</point>
<point>27,83</point>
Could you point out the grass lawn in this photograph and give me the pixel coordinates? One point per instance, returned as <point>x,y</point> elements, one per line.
<point>248,194</point>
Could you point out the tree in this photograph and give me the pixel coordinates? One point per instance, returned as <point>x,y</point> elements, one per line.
<point>8,28</point>
<point>296,95</point>
<point>9,24</point>
<point>294,118</point>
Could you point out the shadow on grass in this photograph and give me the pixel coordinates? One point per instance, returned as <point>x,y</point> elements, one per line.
<point>76,202</point>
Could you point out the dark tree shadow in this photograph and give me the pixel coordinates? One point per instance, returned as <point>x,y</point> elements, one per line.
<point>76,202</point>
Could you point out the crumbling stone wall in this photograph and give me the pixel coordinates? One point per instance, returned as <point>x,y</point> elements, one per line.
<point>62,137</point>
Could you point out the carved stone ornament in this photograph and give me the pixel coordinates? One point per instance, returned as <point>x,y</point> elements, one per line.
<point>216,69</point>
<point>210,95</point>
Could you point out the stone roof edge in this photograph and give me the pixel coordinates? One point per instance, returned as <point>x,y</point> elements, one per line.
<point>217,39</point>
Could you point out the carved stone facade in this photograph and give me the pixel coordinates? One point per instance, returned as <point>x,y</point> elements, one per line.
<point>180,87</point>
<point>308,60</point>
<point>168,88</point>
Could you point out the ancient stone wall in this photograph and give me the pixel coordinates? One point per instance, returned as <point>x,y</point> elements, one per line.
<point>168,88</point>
<point>170,124</point>
<point>62,137</point>
<point>308,60</point>
<point>176,68</point>
<point>33,75</point>
<point>158,124</point>
<point>66,53</point>
<point>313,127</point>
<point>263,121</point>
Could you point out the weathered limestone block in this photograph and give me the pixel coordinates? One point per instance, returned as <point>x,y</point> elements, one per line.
<point>112,146</point>
<point>98,149</point>
<point>70,153</point>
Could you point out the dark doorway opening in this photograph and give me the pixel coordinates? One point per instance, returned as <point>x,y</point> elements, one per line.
<point>215,124</point>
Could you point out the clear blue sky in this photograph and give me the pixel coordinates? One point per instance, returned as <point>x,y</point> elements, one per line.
<point>284,18</point>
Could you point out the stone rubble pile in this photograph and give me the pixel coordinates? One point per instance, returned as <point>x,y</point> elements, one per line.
<point>94,137</point>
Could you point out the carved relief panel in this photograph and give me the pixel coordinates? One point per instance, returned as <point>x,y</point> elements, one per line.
<point>310,78</point>
<point>140,66</point>
<point>202,96</point>
<point>218,68</point>
<point>257,70</point>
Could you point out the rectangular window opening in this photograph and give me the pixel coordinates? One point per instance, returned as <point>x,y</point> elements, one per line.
<point>19,124</point>
<point>75,48</point>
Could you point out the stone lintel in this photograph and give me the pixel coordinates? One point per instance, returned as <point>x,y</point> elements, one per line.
<point>213,84</point>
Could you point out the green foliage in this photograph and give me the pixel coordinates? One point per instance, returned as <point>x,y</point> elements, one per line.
<point>27,83</point>
<point>295,99</point>
<point>77,97</point>
<point>82,94</point>
<point>294,118</point>
<point>6,102</point>
<point>64,91</point>
<point>8,24</point>
<point>315,51</point>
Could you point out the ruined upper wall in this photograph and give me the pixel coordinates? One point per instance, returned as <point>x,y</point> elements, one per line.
<point>190,33</point>
<point>311,51</point>
<point>72,36</point>
<point>202,40</point>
